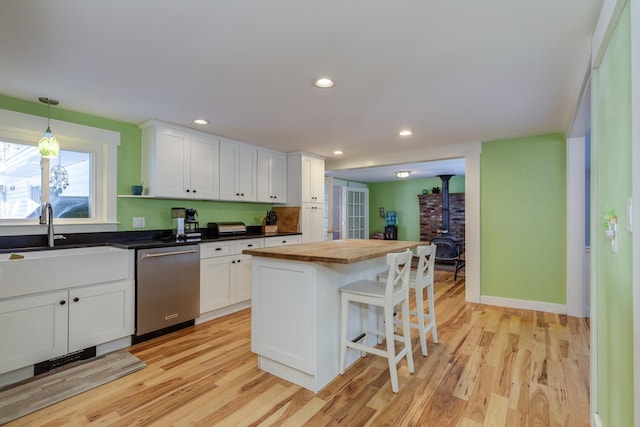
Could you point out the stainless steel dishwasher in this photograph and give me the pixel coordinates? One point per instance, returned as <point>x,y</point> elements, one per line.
<point>167,287</point>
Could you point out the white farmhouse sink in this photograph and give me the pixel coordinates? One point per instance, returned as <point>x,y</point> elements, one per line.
<point>50,270</point>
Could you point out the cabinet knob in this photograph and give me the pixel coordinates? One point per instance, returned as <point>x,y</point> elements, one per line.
<point>63,302</point>
<point>242,194</point>
<point>187,190</point>
<point>76,299</point>
<point>237,194</point>
<point>249,246</point>
<point>233,262</point>
<point>218,249</point>
<point>194,190</point>
<point>239,261</point>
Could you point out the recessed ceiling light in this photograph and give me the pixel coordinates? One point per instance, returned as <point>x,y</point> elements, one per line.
<point>200,122</point>
<point>405,132</point>
<point>337,152</point>
<point>324,82</point>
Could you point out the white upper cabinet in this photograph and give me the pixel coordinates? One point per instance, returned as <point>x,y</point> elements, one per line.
<point>305,179</point>
<point>238,167</point>
<point>177,163</point>
<point>272,177</point>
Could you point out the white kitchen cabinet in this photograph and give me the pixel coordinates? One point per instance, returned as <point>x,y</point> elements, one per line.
<point>99,314</point>
<point>272,177</point>
<point>179,163</point>
<point>270,242</point>
<point>312,222</point>
<point>225,273</point>
<point>305,188</point>
<point>305,179</point>
<point>33,329</point>
<point>40,327</point>
<point>238,171</point>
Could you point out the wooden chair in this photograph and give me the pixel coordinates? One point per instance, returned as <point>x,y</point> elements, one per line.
<point>370,293</point>
<point>420,279</point>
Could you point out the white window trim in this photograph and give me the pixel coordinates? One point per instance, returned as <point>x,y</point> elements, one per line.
<point>21,127</point>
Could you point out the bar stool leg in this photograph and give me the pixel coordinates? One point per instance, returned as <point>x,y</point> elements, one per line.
<point>432,313</point>
<point>406,333</point>
<point>391,349</point>
<point>343,332</point>
<point>419,293</point>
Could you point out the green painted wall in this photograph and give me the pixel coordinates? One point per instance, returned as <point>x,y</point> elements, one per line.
<point>156,211</point>
<point>402,197</point>
<point>522,218</point>
<point>612,141</point>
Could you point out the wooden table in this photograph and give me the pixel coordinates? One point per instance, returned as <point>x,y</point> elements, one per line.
<point>295,317</point>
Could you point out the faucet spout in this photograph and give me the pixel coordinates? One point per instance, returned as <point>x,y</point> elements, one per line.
<point>46,217</point>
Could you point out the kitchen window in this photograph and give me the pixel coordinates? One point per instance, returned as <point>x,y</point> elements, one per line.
<point>79,184</point>
<point>25,178</point>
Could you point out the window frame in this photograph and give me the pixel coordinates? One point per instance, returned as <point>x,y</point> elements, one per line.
<point>101,143</point>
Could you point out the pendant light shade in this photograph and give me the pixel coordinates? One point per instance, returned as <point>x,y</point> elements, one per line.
<point>48,145</point>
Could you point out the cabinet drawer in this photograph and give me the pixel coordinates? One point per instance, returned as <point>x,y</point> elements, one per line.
<point>211,250</point>
<point>271,242</point>
<point>249,244</point>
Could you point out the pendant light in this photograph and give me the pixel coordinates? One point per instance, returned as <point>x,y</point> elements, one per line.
<point>48,144</point>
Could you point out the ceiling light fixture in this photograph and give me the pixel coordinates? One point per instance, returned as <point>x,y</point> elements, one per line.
<point>324,83</point>
<point>337,152</point>
<point>403,174</point>
<point>48,145</point>
<point>201,122</point>
<point>405,132</point>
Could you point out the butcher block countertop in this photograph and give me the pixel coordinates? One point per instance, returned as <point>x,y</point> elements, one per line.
<point>347,251</point>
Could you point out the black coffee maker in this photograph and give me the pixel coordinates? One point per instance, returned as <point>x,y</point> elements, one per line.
<point>191,220</point>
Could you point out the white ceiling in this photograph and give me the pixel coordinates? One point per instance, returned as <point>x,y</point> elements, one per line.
<point>453,71</point>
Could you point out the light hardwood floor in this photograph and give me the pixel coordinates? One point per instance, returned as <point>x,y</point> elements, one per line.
<point>492,367</point>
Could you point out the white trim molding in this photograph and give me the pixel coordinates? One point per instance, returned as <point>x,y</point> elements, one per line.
<point>524,304</point>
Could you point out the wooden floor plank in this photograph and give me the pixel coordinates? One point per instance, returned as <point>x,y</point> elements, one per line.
<point>491,366</point>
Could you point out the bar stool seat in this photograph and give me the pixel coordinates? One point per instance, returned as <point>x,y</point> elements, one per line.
<point>371,293</point>
<point>419,280</point>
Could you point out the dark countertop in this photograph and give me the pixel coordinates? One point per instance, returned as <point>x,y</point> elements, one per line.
<point>121,239</point>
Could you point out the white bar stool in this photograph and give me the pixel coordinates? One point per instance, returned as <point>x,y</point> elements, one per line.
<point>370,292</point>
<point>420,279</point>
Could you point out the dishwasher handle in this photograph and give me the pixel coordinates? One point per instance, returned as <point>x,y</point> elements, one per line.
<point>161,254</point>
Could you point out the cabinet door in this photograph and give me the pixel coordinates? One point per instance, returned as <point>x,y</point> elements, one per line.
<point>229,153</point>
<point>278,178</point>
<point>312,171</point>
<point>215,283</point>
<point>204,167</point>
<point>264,176</point>
<point>100,313</point>
<point>33,329</point>
<point>242,278</point>
<point>272,176</point>
<point>246,173</point>
<point>172,163</point>
<point>312,222</point>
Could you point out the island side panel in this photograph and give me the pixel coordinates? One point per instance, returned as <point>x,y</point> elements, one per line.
<point>296,317</point>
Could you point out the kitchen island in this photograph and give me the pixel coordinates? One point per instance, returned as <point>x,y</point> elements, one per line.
<point>295,318</point>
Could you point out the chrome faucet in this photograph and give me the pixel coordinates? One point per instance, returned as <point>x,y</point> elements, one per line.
<point>46,217</point>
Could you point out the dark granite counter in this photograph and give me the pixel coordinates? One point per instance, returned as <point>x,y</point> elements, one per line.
<point>121,239</point>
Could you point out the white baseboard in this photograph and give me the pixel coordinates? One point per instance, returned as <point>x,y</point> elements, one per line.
<point>524,304</point>
<point>595,420</point>
<point>205,317</point>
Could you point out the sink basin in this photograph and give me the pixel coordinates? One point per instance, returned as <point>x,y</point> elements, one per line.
<point>50,270</point>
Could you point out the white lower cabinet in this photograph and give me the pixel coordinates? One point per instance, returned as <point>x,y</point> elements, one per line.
<point>40,327</point>
<point>101,313</point>
<point>225,273</point>
<point>312,222</point>
<point>270,242</point>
